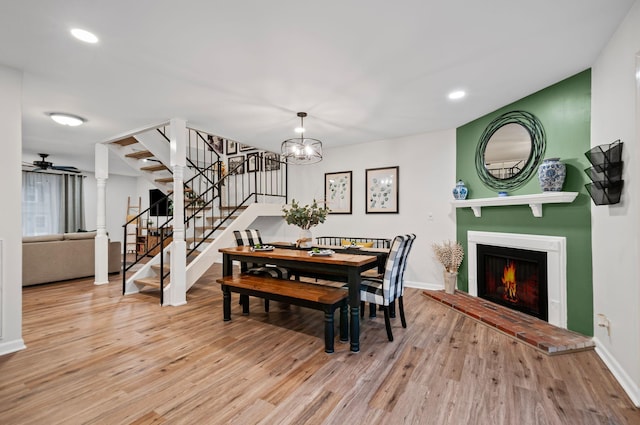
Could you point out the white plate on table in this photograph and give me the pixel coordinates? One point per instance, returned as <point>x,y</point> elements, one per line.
<point>351,246</point>
<point>262,248</point>
<point>322,253</point>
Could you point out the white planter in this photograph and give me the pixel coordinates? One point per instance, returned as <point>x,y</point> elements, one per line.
<point>450,280</point>
<point>305,239</point>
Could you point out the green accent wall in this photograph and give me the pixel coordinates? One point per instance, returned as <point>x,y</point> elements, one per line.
<point>564,109</point>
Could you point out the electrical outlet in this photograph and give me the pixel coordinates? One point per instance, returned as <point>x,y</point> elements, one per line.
<point>603,322</point>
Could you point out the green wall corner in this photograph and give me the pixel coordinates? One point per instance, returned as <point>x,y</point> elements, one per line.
<point>564,110</point>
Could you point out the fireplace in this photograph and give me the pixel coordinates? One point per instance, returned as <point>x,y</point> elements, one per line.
<point>514,278</point>
<point>553,247</point>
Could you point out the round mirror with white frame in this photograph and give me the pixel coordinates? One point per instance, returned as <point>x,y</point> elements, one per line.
<point>509,150</point>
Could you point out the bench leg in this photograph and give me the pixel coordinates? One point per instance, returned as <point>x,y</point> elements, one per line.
<point>328,330</point>
<point>226,304</point>
<point>344,322</point>
<point>244,300</point>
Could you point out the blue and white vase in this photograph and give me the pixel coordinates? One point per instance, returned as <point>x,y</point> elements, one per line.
<point>460,191</point>
<point>551,175</point>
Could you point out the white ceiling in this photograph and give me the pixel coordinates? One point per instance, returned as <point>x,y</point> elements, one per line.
<point>362,70</point>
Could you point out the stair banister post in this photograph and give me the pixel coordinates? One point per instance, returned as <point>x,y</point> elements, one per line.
<point>177,292</point>
<point>101,247</point>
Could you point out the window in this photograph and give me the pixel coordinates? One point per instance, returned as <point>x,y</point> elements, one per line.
<point>51,203</point>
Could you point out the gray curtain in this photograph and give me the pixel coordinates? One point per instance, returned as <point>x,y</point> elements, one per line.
<point>72,203</point>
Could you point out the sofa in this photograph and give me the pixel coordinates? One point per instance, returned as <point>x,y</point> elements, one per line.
<point>51,258</point>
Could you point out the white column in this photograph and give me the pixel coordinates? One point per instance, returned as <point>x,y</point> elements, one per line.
<point>10,229</point>
<point>102,240</point>
<point>177,292</point>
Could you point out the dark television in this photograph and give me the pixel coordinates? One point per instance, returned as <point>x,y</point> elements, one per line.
<point>159,202</point>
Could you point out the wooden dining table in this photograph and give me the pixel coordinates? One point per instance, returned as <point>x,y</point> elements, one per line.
<point>380,253</point>
<point>343,266</point>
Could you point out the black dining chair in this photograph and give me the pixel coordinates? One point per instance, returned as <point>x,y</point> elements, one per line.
<point>251,237</point>
<point>385,291</point>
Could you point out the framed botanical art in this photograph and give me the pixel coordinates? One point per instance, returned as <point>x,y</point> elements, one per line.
<point>253,162</point>
<point>271,161</point>
<point>382,190</point>
<point>337,192</point>
<point>236,164</point>
<point>232,147</point>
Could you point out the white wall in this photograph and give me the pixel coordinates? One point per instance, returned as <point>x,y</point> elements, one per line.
<point>118,188</point>
<point>10,228</point>
<point>616,230</point>
<point>426,176</point>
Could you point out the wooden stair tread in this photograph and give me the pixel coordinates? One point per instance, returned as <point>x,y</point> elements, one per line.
<point>165,180</point>
<point>139,154</point>
<point>198,208</point>
<point>149,281</point>
<point>243,207</point>
<point>200,228</point>
<point>157,167</point>
<point>156,268</point>
<point>126,142</point>
<point>288,288</point>
<point>199,239</point>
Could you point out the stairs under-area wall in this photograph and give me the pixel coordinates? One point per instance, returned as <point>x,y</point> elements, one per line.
<point>197,265</point>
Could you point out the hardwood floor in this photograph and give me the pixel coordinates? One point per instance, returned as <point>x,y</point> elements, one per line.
<point>96,357</point>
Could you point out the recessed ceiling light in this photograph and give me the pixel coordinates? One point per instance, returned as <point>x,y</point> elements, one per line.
<point>458,94</point>
<point>84,35</point>
<point>66,119</point>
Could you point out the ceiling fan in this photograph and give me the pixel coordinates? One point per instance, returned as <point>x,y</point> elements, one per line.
<point>43,164</point>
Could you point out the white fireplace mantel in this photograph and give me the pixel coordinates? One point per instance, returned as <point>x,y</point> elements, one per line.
<point>534,201</point>
<point>556,249</point>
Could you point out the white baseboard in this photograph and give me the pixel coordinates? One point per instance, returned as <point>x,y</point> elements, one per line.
<point>423,285</point>
<point>12,346</point>
<point>629,386</point>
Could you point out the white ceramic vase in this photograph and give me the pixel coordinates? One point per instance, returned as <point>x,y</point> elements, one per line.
<point>551,175</point>
<point>450,280</point>
<point>305,239</point>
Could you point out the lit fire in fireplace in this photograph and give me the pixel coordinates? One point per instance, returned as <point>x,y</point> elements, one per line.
<point>509,282</point>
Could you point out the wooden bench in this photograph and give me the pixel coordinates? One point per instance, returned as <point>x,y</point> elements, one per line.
<point>318,297</point>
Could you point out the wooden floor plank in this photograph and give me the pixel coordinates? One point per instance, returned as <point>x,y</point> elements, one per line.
<point>95,357</point>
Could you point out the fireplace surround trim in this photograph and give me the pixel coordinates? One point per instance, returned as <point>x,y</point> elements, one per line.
<point>554,246</point>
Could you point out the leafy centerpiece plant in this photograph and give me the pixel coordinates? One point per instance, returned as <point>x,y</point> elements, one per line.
<point>305,217</point>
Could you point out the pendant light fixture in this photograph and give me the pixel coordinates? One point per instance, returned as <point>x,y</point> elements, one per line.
<point>301,150</point>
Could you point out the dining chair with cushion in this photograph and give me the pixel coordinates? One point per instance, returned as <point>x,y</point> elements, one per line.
<point>379,276</point>
<point>251,237</point>
<point>385,291</point>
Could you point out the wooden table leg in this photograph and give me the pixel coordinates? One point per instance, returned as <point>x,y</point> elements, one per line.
<point>354,304</point>
<point>328,329</point>
<point>227,270</point>
<point>344,322</point>
<point>226,303</point>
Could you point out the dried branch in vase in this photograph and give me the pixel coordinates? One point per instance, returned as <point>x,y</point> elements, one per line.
<point>449,254</point>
